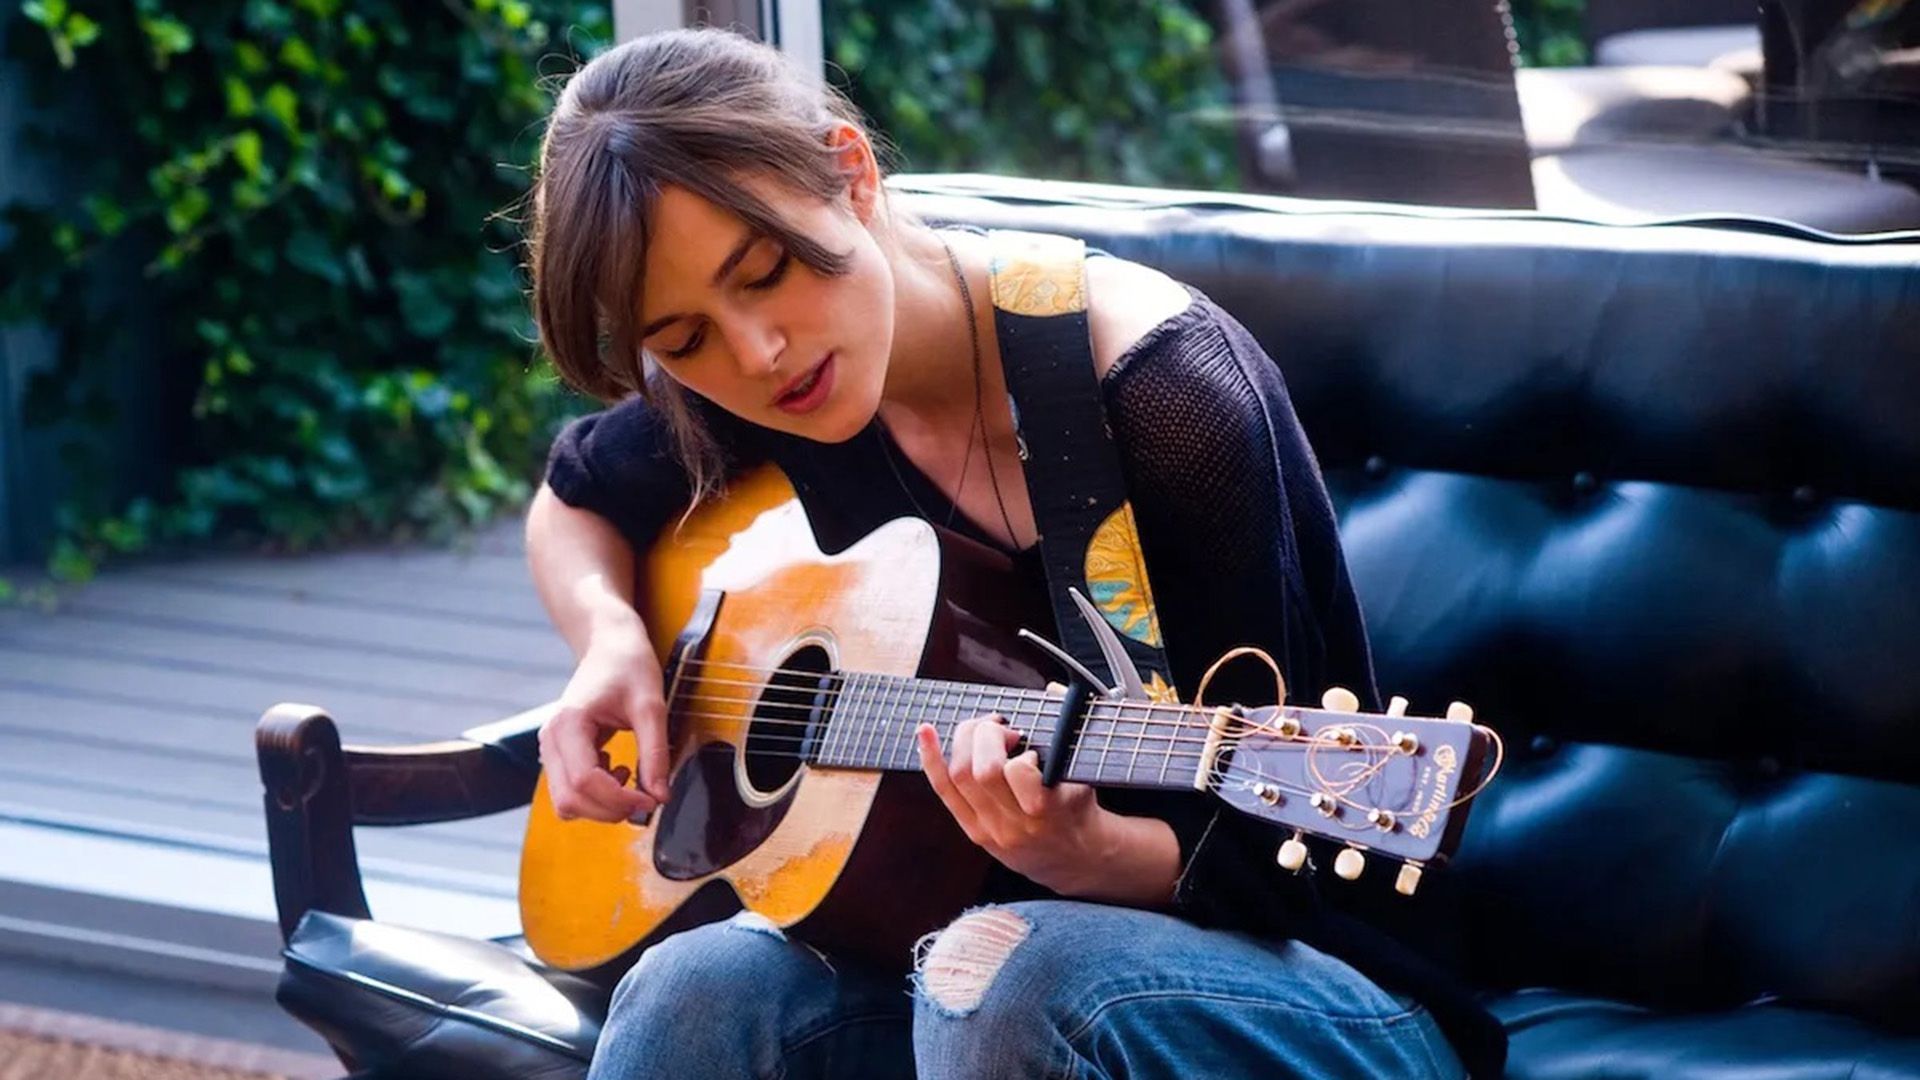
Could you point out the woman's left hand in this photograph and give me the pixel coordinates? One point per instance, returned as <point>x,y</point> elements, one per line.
<point>1060,837</point>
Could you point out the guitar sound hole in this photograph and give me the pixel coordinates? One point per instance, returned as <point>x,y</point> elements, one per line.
<point>785,720</point>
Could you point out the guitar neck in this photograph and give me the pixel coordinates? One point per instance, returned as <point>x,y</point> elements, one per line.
<point>1120,744</point>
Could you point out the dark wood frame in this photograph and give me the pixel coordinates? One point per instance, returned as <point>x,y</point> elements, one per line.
<point>317,790</point>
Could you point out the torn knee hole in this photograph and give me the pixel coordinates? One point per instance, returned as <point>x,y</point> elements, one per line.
<point>956,965</point>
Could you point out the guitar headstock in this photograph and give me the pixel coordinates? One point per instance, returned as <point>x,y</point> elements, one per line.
<point>1390,784</point>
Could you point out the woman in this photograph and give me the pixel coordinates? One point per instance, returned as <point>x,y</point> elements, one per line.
<point>713,252</point>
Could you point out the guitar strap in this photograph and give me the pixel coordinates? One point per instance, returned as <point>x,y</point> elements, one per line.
<point>1088,537</point>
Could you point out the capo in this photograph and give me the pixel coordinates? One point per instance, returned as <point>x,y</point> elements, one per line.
<point>1073,707</point>
<point>1066,731</point>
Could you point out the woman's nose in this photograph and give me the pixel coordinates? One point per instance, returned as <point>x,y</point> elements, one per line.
<point>757,346</point>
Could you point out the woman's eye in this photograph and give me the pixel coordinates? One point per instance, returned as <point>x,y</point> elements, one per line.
<point>687,349</point>
<point>773,276</point>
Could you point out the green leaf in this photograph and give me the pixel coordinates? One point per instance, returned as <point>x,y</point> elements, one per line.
<point>283,105</point>
<point>166,37</point>
<point>251,58</point>
<point>187,208</point>
<point>298,56</point>
<point>47,13</point>
<point>82,31</point>
<point>240,101</point>
<point>247,149</point>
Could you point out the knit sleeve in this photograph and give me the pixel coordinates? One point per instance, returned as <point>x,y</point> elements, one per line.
<point>1241,546</point>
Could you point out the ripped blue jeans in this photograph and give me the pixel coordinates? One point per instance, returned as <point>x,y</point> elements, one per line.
<point>1038,989</point>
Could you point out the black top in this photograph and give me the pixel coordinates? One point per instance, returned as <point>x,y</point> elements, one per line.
<point>1240,540</point>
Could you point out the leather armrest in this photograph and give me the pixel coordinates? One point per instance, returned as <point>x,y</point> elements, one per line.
<point>317,790</point>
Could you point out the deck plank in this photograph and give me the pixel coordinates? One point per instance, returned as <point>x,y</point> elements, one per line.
<point>221,650</point>
<point>304,619</point>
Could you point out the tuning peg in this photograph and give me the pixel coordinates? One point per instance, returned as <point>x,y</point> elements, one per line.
<point>1408,880</point>
<point>1056,688</point>
<point>1349,863</point>
<point>1293,854</point>
<point>1460,711</point>
<point>1340,699</point>
<point>1397,706</point>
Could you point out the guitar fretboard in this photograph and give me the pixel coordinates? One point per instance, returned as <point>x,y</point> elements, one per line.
<point>1121,744</point>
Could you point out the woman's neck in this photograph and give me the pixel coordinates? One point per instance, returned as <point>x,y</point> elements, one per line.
<point>930,373</point>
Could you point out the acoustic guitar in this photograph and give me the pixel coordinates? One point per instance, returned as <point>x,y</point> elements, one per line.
<point>794,681</point>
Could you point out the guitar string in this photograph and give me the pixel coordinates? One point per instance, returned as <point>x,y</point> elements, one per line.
<point>1046,709</point>
<point>1215,772</point>
<point>866,723</point>
<point>1194,713</point>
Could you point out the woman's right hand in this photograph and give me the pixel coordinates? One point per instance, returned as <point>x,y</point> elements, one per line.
<point>615,687</point>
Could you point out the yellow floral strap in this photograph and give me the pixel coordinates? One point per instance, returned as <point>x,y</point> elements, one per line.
<point>1088,536</point>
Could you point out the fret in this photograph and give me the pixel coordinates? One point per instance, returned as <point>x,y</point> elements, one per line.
<point>872,701</point>
<point>890,708</point>
<point>1109,727</point>
<point>928,713</point>
<point>888,749</point>
<point>835,717</point>
<point>905,715</point>
<point>901,715</point>
<point>1018,716</point>
<point>845,713</point>
<point>964,703</point>
<point>846,719</point>
<point>1173,742</point>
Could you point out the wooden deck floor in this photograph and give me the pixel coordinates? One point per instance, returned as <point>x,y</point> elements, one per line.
<point>131,708</point>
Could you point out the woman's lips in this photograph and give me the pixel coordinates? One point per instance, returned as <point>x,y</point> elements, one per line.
<point>809,391</point>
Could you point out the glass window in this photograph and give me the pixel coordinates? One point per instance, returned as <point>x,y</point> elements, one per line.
<point>1801,110</point>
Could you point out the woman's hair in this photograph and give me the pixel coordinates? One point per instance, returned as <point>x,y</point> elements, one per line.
<point>697,108</point>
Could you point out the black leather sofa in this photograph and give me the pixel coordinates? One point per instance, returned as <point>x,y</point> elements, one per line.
<point>1648,497</point>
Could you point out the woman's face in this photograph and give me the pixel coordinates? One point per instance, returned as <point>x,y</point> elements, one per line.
<point>732,316</point>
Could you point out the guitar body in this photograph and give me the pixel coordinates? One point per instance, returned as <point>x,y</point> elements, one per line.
<point>861,861</point>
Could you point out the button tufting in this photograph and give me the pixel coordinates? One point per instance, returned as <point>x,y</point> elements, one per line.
<point>1376,465</point>
<point>1804,495</point>
<point>1768,766</point>
<point>1584,482</point>
<point>1542,745</point>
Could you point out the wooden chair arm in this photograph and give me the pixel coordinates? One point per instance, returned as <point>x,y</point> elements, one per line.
<point>317,790</point>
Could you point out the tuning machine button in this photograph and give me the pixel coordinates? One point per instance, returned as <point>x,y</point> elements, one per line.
<point>1349,864</point>
<point>1409,879</point>
<point>1397,706</point>
<point>1460,711</point>
<point>1406,742</point>
<point>1340,699</point>
<point>1293,854</point>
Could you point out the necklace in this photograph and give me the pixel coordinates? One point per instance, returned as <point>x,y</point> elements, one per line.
<point>976,431</point>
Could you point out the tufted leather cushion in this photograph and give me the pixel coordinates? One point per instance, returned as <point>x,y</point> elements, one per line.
<point>1649,498</point>
<point>1557,1036</point>
<point>416,1004</point>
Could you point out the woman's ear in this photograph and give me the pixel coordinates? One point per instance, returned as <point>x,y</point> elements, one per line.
<point>853,155</point>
